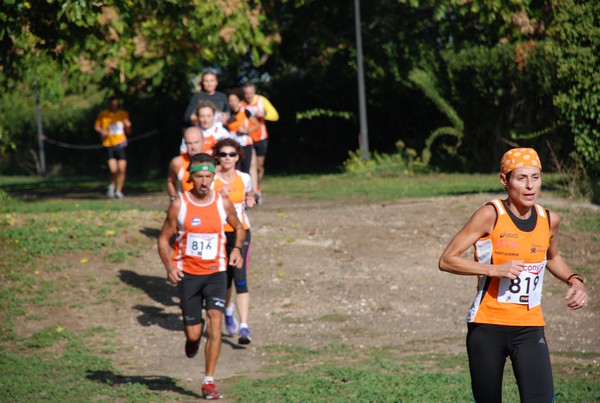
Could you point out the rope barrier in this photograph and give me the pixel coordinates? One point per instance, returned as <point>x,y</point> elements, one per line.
<point>95,146</point>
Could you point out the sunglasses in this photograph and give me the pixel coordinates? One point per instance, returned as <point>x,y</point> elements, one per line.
<point>223,155</point>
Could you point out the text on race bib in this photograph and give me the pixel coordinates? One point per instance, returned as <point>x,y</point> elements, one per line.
<point>204,246</point>
<point>525,289</point>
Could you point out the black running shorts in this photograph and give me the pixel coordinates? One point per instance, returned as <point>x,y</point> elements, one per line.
<point>198,292</point>
<point>261,147</point>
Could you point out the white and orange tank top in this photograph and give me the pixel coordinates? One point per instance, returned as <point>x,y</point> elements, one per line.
<point>253,107</point>
<point>183,175</point>
<point>238,188</point>
<point>211,136</point>
<point>512,302</point>
<point>240,119</point>
<point>200,245</point>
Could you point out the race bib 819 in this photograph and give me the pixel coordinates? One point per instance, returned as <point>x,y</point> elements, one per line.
<point>525,289</point>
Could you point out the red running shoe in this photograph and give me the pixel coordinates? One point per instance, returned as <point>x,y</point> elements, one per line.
<point>209,391</point>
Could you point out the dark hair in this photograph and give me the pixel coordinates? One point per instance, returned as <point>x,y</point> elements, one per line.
<point>228,142</point>
<point>198,159</point>
<point>202,158</point>
<point>248,84</point>
<point>235,91</point>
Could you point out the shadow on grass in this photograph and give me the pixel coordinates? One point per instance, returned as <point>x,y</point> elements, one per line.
<point>157,288</point>
<point>231,341</point>
<point>152,233</point>
<point>152,315</point>
<point>155,383</point>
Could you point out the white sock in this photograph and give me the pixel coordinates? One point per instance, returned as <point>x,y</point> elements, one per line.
<point>209,379</point>
<point>243,325</point>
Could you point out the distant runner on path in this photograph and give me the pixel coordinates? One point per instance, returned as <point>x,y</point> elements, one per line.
<point>113,125</point>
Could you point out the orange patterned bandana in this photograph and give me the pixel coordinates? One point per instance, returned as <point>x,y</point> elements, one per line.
<point>519,157</point>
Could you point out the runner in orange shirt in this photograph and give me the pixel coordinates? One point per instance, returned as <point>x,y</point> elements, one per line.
<point>240,125</point>
<point>237,187</point>
<point>178,179</point>
<point>263,110</point>
<point>113,125</point>
<point>515,240</point>
<point>211,132</point>
<point>198,262</point>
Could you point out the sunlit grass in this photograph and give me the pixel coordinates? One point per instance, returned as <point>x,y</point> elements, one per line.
<point>63,365</point>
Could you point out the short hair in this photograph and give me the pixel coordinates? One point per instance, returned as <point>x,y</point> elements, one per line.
<point>199,159</point>
<point>229,142</point>
<point>206,104</point>
<point>248,84</point>
<point>206,72</point>
<point>202,158</point>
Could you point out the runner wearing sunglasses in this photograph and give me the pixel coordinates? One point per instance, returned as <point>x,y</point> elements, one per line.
<point>237,187</point>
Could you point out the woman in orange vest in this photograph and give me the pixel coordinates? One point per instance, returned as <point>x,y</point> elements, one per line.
<point>237,187</point>
<point>262,109</point>
<point>240,124</point>
<point>515,240</point>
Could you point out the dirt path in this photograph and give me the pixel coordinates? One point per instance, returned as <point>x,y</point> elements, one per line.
<point>324,272</point>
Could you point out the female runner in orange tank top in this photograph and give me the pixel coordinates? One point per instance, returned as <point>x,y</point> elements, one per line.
<point>237,187</point>
<point>515,240</point>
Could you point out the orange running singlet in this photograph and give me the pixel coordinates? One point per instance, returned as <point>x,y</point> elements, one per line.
<point>183,175</point>
<point>200,245</point>
<point>241,185</point>
<point>512,302</point>
<point>254,106</point>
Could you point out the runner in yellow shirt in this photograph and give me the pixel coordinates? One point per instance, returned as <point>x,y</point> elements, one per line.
<point>113,125</point>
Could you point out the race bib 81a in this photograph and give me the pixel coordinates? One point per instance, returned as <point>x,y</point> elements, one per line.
<point>203,246</point>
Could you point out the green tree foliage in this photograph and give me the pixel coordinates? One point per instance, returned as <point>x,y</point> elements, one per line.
<point>523,73</point>
<point>142,50</point>
<point>427,83</point>
<point>132,45</point>
<point>511,73</point>
<point>575,47</point>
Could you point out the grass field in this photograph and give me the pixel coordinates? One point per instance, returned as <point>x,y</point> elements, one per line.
<point>60,364</point>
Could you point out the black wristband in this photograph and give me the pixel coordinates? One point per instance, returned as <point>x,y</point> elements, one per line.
<point>239,247</point>
<point>576,276</point>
